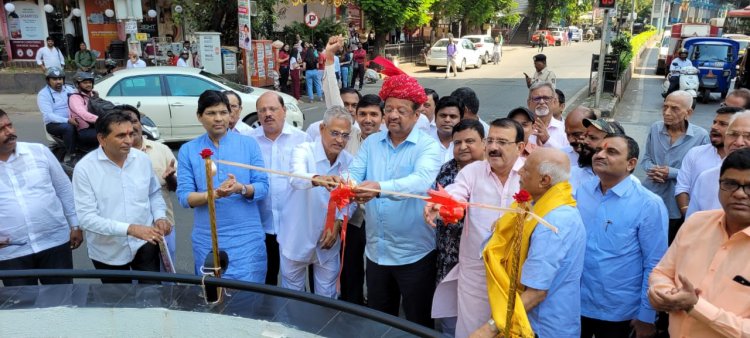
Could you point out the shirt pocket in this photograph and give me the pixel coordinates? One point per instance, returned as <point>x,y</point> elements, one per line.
<point>616,237</point>
<point>735,297</point>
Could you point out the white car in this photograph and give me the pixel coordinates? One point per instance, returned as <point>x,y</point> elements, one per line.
<point>169,96</point>
<point>466,54</point>
<point>661,66</point>
<point>576,36</point>
<point>485,44</point>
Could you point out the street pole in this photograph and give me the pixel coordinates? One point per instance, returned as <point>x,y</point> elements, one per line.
<point>602,52</point>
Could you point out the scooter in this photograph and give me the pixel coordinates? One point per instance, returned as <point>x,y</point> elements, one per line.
<point>689,81</point>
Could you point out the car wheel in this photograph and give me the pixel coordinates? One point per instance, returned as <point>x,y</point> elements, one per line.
<point>463,66</point>
<point>486,57</point>
<point>252,120</point>
<point>433,68</point>
<point>479,63</point>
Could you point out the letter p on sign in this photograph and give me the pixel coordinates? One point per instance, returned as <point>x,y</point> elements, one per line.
<point>312,20</point>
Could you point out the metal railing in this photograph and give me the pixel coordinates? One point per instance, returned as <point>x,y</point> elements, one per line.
<point>404,52</point>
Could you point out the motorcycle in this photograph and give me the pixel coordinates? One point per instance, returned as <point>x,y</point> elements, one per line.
<point>689,81</point>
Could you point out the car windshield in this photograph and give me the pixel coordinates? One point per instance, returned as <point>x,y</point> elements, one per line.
<point>230,84</point>
<point>474,40</point>
<point>712,53</point>
<point>441,43</point>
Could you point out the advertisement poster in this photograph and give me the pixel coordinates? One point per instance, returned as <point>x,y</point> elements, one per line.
<point>102,30</point>
<point>25,30</point>
<point>243,20</point>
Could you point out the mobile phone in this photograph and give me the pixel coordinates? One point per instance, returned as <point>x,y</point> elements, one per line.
<point>741,280</point>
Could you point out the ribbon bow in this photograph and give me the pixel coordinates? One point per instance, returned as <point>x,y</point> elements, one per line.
<point>451,211</point>
<point>339,199</point>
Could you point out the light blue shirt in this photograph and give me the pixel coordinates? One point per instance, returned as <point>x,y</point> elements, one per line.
<point>660,151</point>
<point>336,64</point>
<point>555,264</point>
<point>396,231</point>
<point>627,235</point>
<point>54,105</point>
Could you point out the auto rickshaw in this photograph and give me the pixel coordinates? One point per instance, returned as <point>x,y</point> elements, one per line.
<point>716,59</point>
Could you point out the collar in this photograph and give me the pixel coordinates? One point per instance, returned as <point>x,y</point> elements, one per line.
<point>516,166</point>
<point>544,70</point>
<point>722,224</point>
<point>101,156</point>
<point>412,138</point>
<point>689,128</point>
<point>557,124</point>
<point>620,189</point>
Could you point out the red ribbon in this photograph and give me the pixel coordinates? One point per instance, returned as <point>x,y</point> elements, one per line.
<point>451,211</point>
<point>339,199</point>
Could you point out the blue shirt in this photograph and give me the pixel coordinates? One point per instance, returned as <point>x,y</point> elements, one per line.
<point>555,264</point>
<point>627,235</point>
<point>660,151</point>
<point>396,231</point>
<point>237,218</point>
<point>54,105</point>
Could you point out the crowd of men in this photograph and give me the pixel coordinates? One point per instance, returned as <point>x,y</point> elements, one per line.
<point>614,263</point>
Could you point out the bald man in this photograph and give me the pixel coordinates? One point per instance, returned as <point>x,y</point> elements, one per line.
<point>576,131</point>
<point>551,273</point>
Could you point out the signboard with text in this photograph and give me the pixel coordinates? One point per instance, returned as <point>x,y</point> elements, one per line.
<point>25,30</point>
<point>243,21</point>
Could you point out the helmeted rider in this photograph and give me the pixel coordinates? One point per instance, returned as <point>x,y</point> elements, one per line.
<point>674,69</point>
<point>52,101</point>
<point>78,104</point>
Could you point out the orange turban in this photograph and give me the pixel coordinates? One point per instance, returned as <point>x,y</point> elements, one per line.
<point>398,84</point>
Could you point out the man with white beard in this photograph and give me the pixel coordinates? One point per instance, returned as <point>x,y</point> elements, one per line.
<point>547,131</point>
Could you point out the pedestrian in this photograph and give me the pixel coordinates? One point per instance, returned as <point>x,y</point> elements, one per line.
<point>400,247</point>
<point>119,202</point>
<point>666,145</point>
<point>40,228</point>
<point>547,131</point>
<point>450,57</point>
<point>551,268</point>
<point>50,56</point>
<point>295,67</point>
<point>134,61</point>
<point>623,246</point>
<point>471,105</point>
<point>277,140</point>
<point>705,190</point>
<point>358,66</point>
<point>463,291</point>
<point>237,192</point>
<point>85,60</point>
<point>542,73</point>
<point>52,101</point>
<point>449,112</point>
<point>184,60</point>
<point>235,104</point>
<point>708,253</point>
<point>304,238</point>
<point>570,36</point>
<point>337,68</point>
<point>346,68</point>
<point>497,50</point>
<point>284,68</point>
<point>542,41</point>
<point>312,75</point>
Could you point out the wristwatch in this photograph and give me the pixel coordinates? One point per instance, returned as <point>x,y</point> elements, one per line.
<point>244,190</point>
<point>492,325</point>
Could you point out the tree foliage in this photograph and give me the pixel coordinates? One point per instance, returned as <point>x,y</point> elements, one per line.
<point>386,15</point>
<point>326,28</point>
<point>474,13</point>
<point>547,12</point>
<point>221,16</point>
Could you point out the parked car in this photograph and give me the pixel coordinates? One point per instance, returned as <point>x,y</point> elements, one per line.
<point>535,38</point>
<point>743,39</point>
<point>466,54</point>
<point>169,95</point>
<point>560,37</point>
<point>577,33</point>
<point>485,44</point>
<point>661,63</point>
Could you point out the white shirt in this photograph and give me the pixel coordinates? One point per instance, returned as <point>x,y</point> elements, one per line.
<point>36,201</point>
<point>572,156</point>
<point>445,152</point>
<point>109,198</point>
<point>242,128</point>
<point>484,124</point>
<point>557,137</point>
<point>277,155</point>
<point>705,192</point>
<point>50,57</point>
<point>696,161</point>
<point>305,209</point>
<point>139,64</point>
<point>423,123</point>
<point>579,176</point>
<point>680,64</point>
<point>182,63</point>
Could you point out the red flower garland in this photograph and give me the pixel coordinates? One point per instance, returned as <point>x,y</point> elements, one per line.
<point>206,153</point>
<point>522,196</point>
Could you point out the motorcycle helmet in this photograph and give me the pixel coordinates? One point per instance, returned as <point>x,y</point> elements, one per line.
<point>682,51</point>
<point>55,72</point>
<point>83,76</point>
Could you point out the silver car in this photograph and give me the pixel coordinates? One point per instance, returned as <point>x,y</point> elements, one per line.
<point>169,96</point>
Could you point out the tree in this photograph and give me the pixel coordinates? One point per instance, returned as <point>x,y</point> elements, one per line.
<point>472,13</point>
<point>386,15</point>
<point>221,16</point>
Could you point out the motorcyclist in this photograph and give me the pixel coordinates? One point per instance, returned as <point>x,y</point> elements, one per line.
<point>674,69</point>
<point>52,101</point>
<point>78,104</point>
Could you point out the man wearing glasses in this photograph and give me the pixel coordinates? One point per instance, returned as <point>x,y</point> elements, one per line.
<point>546,131</point>
<point>704,192</point>
<point>463,292</point>
<point>303,240</point>
<point>708,254</point>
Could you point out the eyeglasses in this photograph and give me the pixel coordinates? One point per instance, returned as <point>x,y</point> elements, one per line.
<point>337,134</point>
<point>732,186</point>
<point>498,141</point>
<point>539,99</point>
<point>738,134</point>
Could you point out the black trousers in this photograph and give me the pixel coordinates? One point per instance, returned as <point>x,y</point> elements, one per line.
<point>146,259</point>
<point>414,284</point>
<point>272,267</point>
<point>58,257</point>
<point>604,329</point>
<point>353,271</point>
<point>674,226</point>
<point>65,131</point>
<point>358,74</point>
<point>284,78</point>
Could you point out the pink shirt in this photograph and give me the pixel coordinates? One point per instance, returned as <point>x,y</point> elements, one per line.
<point>710,260</point>
<point>79,111</point>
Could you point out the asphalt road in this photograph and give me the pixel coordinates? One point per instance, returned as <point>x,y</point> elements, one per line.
<point>500,88</point>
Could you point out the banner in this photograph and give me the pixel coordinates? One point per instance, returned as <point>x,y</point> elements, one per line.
<point>243,22</point>
<point>102,30</point>
<point>25,30</point>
